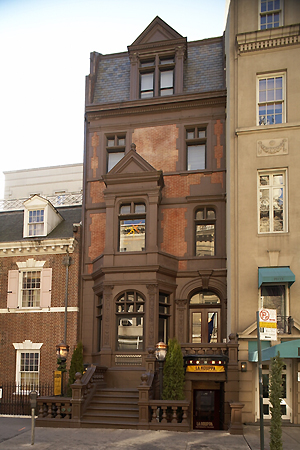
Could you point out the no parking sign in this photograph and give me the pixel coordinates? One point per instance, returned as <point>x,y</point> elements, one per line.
<point>268,324</point>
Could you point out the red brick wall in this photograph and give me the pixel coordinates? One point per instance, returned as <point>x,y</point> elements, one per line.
<point>96,191</point>
<point>157,145</point>
<point>97,229</point>
<point>174,224</point>
<point>45,327</point>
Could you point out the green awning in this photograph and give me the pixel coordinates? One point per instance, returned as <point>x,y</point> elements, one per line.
<point>275,275</point>
<point>288,349</point>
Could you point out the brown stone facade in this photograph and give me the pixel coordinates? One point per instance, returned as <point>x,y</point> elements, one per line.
<point>153,174</point>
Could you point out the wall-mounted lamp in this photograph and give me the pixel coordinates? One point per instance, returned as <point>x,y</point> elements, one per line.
<point>244,366</point>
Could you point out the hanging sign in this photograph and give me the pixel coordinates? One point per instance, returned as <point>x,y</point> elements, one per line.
<point>268,324</point>
<point>205,368</point>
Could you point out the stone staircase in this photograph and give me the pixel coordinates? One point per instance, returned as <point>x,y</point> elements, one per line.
<point>112,408</point>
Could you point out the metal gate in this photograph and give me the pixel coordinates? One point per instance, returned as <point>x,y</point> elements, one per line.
<point>14,399</point>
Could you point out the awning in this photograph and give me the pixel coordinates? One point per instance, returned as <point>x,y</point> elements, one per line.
<point>275,275</point>
<point>288,349</point>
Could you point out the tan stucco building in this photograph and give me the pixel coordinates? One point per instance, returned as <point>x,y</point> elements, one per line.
<point>263,133</point>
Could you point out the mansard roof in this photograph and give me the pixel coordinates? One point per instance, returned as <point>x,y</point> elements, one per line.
<point>11,225</point>
<point>109,79</point>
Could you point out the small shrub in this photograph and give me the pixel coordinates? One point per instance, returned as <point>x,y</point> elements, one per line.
<point>173,380</point>
<point>76,366</point>
<point>275,398</point>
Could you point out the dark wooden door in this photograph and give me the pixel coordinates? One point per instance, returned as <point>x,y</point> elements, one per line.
<point>206,414</point>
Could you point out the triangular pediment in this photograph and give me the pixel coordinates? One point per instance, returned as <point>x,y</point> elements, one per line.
<point>157,31</point>
<point>132,168</point>
<point>132,162</point>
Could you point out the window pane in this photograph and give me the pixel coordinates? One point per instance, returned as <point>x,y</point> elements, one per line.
<point>205,240</point>
<point>196,157</point>
<point>166,79</point>
<point>273,297</point>
<point>200,214</point>
<point>212,326</point>
<point>205,297</point>
<point>113,159</point>
<point>146,81</point>
<point>167,61</point>
<point>139,208</point>
<point>121,141</point>
<point>264,211</point>
<point>110,142</point>
<point>264,180</point>
<point>201,134</point>
<point>130,333</point>
<point>190,134</point>
<point>210,214</point>
<point>31,284</point>
<point>196,327</point>
<point>132,235</point>
<point>125,209</point>
<point>147,63</point>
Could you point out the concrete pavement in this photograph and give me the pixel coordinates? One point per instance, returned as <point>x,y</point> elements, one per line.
<point>15,434</point>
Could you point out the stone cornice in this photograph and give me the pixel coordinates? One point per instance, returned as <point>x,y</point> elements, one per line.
<point>97,112</point>
<point>268,39</point>
<point>37,247</point>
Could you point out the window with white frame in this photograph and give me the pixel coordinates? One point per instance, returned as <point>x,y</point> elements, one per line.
<point>30,285</point>
<point>27,365</point>
<point>36,222</point>
<point>271,109</point>
<point>272,202</point>
<point>270,15</point>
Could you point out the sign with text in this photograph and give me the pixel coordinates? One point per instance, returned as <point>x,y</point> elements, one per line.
<point>205,368</point>
<point>268,324</point>
<point>57,382</point>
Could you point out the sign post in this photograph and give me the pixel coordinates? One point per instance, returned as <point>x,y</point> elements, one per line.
<point>261,401</point>
<point>33,402</point>
<point>266,331</point>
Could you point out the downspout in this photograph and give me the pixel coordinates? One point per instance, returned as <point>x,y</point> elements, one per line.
<point>67,263</point>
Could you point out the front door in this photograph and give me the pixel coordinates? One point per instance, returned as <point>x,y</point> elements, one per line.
<point>206,414</point>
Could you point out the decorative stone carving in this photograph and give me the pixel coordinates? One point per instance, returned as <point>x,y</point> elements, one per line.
<point>152,291</point>
<point>107,296</point>
<point>272,147</point>
<point>181,308</point>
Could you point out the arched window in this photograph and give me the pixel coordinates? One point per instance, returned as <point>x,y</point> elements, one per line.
<point>205,228</point>
<point>205,307</point>
<point>130,321</point>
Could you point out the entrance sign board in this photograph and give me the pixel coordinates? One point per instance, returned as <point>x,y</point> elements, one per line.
<point>57,382</point>
<point>268,324</point>
<point>205,368</point>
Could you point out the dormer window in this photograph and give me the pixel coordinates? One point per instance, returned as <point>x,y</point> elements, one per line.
<point>40,217</point>
<point>157,76</point>
<point>36,223</point>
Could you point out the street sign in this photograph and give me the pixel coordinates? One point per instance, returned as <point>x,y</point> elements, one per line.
<point>268,324</point>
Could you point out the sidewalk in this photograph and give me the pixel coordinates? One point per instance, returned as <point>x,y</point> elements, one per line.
<point>103,439</point>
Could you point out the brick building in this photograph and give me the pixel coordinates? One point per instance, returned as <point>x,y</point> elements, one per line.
<point>39,285</point>
<point>154,253</point>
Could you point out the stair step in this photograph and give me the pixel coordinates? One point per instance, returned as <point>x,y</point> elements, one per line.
<point>107,424</point>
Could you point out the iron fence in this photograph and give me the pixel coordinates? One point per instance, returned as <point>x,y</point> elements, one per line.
<point>14,398</point>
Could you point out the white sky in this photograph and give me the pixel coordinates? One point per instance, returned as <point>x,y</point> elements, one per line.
<point>45,47</point>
